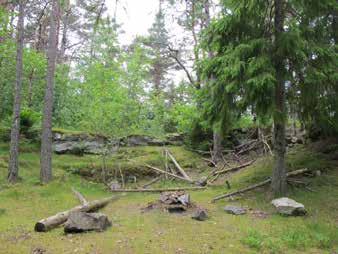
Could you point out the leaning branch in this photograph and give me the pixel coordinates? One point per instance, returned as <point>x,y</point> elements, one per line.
<point>168,173</point>
<point>82,199</point>
<point>151,182</point>
<point>230,194</point>
<point>224,171</point>
<point>183,173</point>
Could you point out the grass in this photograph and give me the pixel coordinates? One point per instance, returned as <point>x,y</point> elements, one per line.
<point>22,204</point>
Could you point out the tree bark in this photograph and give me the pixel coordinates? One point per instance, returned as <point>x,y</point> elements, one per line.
<point>13,168</point>
<point>217,146</point>
<point>46,141</point>
<point>64,40</point>
<point>217,138</point>
<point>278,182</point>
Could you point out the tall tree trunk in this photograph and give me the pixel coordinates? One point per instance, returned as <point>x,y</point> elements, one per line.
<point>64,40</point>
<point>13,168</point>
<point>278,182</point>
<point>46,139</point>
<point>217,146</point>
<point>217,137</point>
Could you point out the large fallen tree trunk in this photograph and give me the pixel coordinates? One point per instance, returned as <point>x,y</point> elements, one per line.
<point>229,194</point>
<point>233,168</point>
<point>183,173</point>
<point>59,218</point>
<point>159,190</point>
<point>168,173</point>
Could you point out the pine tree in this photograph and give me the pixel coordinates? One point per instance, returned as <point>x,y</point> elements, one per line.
<point>46,138</point>
<point>13,167</point>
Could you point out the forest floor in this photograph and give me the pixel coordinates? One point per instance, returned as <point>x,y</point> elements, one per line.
<point>260,231</point>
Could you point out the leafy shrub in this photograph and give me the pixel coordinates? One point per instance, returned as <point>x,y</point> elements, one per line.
<point>28,118</point>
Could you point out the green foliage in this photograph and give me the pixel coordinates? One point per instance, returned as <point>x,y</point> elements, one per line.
<point>297,238</point>
<point>253,239</point>
<point>28,118</point>
<point>241,74</point>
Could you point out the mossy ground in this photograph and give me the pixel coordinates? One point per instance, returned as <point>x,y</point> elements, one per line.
<point>22,204</point>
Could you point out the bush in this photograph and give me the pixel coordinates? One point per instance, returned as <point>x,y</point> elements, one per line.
<point>28,118</point>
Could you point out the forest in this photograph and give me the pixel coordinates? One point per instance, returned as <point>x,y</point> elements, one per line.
<point>168,126</point>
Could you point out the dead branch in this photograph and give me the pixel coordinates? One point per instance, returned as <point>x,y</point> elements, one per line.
<point>183,173</point>
<point>159,190</point>
<point>210,162</point>
<point>170,174</point>
<point>224,171</point>
<point>82,199</point>
<point>151,182</point>
<point>240,191</point>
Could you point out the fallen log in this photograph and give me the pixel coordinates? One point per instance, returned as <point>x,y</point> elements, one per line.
<point>170,174</point>
<point>159,190</point>
<point>224,171</point>
<point>183,173</point>
<point>59,218</point>
<point>240,191</point>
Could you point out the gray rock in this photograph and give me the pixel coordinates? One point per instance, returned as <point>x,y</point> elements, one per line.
<point>200,215</point>
<point>288,206</point>
<point>81,222</point>
<point>236,210</point>
<point>142,140</point>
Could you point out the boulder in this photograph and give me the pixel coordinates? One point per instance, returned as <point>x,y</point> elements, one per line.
<point>81,222</point>
<point>235,210</point>
<point>288,206</point>
<point>199,215</point>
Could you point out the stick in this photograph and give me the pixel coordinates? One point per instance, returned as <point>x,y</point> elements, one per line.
<point>159,190</point>
<point>233,168</point>
<point>151,182</point>
<point>59,218</point>
<point>173,175</point>
<point>82,199</point>
<point>209,161</point>
<point>183,173</point>
<point>225,195</point>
